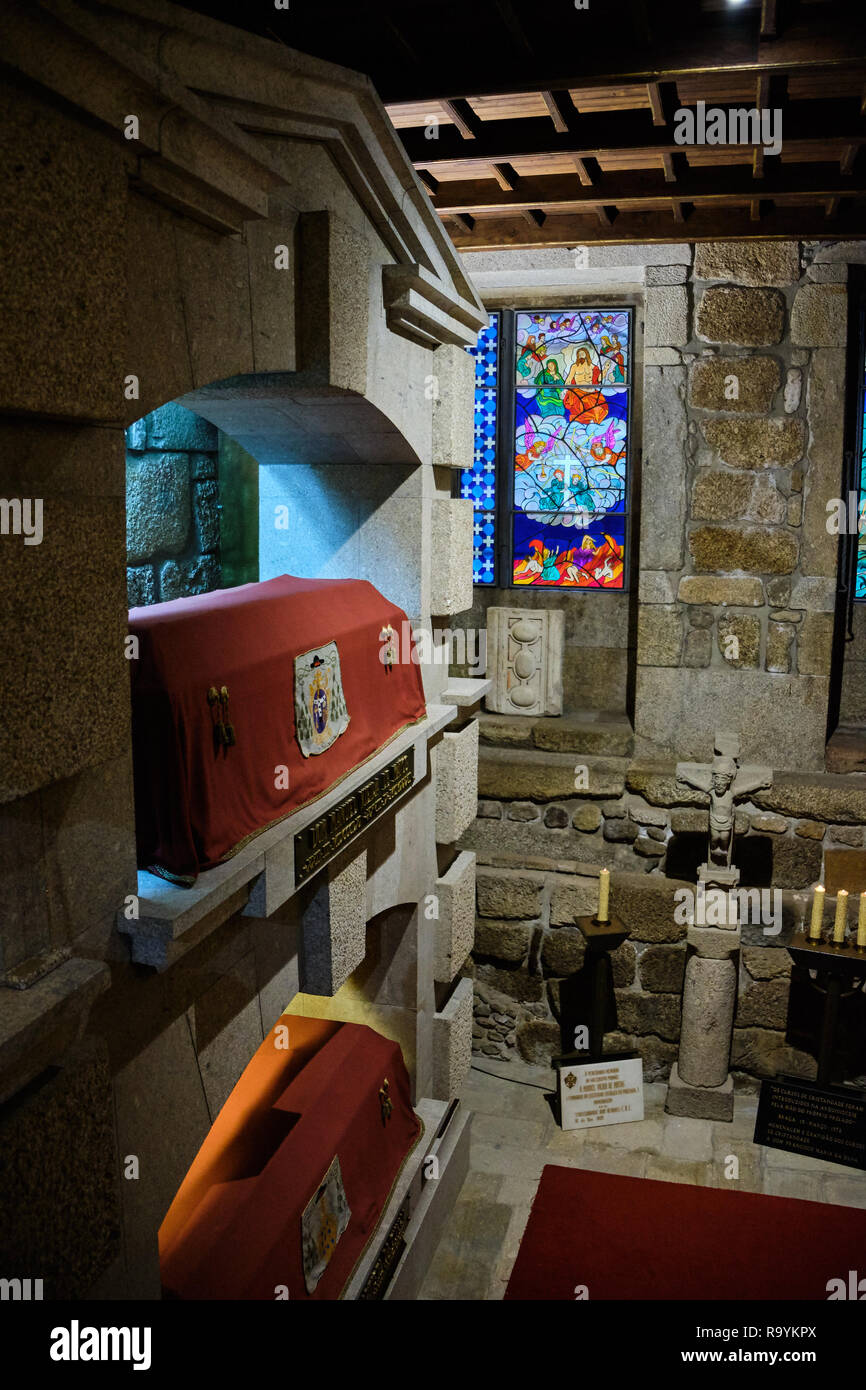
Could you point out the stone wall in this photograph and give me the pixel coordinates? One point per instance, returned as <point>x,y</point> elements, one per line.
<point>746,382</point>
<point>172,506</point>
<point>599,641</point>
<point>739,448</point>
<point>527,944</point>
<point>744,370</point>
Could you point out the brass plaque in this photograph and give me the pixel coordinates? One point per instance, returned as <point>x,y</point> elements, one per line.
<point>338,827</point>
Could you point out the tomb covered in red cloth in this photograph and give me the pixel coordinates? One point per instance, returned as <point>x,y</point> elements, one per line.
<point>249,703</point>
<point>287,1190</point>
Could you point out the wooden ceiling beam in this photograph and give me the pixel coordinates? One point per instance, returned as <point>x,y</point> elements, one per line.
<point>504,141</point>
<point>554,103</point>
<point>768,19</point>
<point>656,104</point>
<point>701,224</point>
<point>463,118</point>
<point>583,171</point>
<point>757,162</point>
<point>429,181</point>
<point>505,177</point>
<point>724,183</point>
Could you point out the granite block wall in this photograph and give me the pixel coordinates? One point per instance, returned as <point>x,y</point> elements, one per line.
<point>742,452</point>
<point>527,945</point>
<point>172,506</point>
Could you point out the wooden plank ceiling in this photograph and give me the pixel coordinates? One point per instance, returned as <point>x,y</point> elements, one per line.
<point>546,124</point>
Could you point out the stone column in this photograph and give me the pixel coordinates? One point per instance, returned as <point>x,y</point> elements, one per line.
<point>709,992</point>
<point>700,1084</point>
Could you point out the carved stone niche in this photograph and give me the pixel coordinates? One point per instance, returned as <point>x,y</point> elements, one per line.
<point>524,660</point>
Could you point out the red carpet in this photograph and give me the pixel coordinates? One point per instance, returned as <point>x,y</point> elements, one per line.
<point>633,1238</point>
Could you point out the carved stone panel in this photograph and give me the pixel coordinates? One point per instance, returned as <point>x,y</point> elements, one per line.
<point>525,660</point>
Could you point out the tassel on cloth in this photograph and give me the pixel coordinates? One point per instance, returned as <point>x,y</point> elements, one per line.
<point>219,733</point>
<point>229,728</point>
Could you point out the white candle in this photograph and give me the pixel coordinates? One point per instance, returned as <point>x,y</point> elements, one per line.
<point>861,922</point>
<point>817,913</point>
<point>603,896</point>
<point>841,916</point>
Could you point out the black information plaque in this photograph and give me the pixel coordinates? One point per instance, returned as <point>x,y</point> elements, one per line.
<point>336,828</point>
<point>826,1122</point>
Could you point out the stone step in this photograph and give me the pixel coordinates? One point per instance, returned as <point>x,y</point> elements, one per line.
<point>595,732</point>
<point>533,774</point>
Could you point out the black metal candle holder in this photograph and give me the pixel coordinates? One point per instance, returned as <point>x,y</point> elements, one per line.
<point>840,970</point>
<point>588,995</point>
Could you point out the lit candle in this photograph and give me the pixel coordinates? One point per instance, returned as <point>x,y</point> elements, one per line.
<point>603,895</point>
<point>861,922</point>
<point>841,916</point>
<point>817,913</point>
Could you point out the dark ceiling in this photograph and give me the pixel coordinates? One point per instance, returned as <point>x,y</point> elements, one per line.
<point>556,124</point>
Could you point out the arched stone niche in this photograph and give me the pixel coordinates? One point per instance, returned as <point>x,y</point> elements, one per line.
<point>164,279</point>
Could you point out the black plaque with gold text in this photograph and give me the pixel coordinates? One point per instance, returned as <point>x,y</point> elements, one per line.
<point>322,839</point>
<point>826,1122</point>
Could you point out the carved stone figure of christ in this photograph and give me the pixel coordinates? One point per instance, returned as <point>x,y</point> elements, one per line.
<point>725,782</point>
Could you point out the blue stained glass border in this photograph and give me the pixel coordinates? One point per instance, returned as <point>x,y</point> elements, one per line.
<point>860,578</point>
<point>479,482</point>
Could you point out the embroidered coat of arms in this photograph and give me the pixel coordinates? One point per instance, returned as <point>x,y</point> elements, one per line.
<point>325,1218</point>
<point>320,708</point>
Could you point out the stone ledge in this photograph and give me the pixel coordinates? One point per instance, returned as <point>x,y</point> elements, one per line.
<point>536,775</point>
<point>596,732</point>
<point>37,1025</point>
<point>830,797</point>
<point>263,870</point>
<point>466,692</point>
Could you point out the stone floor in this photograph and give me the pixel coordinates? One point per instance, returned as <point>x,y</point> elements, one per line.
<point>514,1135</point>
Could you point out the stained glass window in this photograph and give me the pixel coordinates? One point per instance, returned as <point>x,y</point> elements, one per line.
<point>479,482</point>
<point>550,462</point>
<point>860,587</point>
<point>571,384</point>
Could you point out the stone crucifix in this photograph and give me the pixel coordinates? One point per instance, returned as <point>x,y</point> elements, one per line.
<point>700,1083</point>
<point>725,782</point>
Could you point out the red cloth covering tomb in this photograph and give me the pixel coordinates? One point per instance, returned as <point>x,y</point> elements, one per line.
<point>231,686</point>
<point>235,1228</point>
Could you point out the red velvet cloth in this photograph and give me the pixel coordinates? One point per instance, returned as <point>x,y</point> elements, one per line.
<point>197,802</point>
<point>243,1239</point>
<point>637,1238</point>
